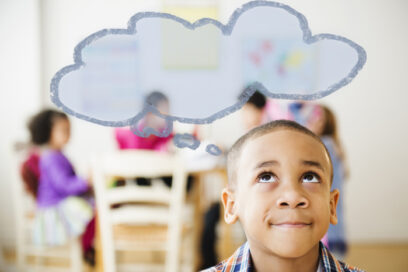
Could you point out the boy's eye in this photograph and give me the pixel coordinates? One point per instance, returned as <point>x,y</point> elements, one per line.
<point>266,177</point>
<point>310,178</point>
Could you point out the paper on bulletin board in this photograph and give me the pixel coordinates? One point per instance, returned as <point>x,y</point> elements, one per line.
<point>180,50</point>
<point>280,64</point>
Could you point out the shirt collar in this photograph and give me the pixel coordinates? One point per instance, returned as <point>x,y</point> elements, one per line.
<point>328,261</point>
<point>241,261</point>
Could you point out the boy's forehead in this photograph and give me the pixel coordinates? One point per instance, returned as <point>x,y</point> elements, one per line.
<point>282,143</point>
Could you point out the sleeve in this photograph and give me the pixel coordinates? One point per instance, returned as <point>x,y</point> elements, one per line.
<point>162,143</point>
<point>62,177</point>
<point>120,138</point>
<point>126,139</point>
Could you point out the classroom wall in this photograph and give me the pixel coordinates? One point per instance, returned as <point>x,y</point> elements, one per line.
<point>19,93</point>
<point>370,110</point>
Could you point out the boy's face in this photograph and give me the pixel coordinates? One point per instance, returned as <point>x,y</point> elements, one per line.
<point>282,196</point>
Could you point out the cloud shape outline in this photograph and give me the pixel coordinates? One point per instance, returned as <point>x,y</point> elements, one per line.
<point>226,29</point>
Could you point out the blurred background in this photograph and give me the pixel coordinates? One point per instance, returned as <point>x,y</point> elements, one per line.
<point>38,38</point>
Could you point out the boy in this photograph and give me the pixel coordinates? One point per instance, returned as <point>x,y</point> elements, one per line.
<point>279,188</point>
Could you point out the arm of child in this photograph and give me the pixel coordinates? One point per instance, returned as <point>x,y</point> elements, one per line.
<point>63,178</point>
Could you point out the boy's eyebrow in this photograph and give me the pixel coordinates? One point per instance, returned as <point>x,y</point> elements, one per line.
<point>313,163</point>
<point>266,163</point>
<point>304,162</point>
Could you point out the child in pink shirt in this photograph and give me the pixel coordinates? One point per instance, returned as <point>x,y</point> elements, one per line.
<point>126,139</point>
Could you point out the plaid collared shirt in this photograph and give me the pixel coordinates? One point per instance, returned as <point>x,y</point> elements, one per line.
<point>241,261</point>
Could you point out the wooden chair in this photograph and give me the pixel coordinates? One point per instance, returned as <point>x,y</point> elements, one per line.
<point>31,257</point>
<point>2,262</point>
<point>153,207</point>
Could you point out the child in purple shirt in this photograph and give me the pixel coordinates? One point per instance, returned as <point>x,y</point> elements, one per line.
<point>61,214</point>
<point>57,179</point>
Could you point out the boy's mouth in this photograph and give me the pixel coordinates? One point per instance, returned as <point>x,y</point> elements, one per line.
<point>291,224</point>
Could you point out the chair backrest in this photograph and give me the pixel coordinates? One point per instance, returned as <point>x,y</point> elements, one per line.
<point>24,203</point>
<point>130,164</point>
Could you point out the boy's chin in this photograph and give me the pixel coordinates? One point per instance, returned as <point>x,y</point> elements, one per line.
<point>291,253</point>
<point>293,249</point>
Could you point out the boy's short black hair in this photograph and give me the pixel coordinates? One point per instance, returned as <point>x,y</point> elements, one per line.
<point>235,150</point>
<point>40,125</point>
<point>257,99</point>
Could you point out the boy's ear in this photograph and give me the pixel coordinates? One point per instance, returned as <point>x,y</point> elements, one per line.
<point>334,199</point>
<point>230,209</point>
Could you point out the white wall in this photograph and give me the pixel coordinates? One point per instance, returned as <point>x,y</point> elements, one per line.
<point>19,93</point>
<point>370,110</point>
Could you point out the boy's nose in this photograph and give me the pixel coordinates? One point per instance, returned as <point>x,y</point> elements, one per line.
<point>292,199</point>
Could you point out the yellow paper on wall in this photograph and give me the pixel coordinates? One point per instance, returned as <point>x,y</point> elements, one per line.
<point>193,14</point>
<point>187,50</point>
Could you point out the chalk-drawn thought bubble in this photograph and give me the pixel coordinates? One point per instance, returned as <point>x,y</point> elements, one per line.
<point>202,67</point>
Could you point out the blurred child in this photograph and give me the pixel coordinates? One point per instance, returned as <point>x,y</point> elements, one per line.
<point>126,139</point>
<point>326,127</point>
<point>303,112</point>
<point>61,215</point>
<point>259,110</point>
<point>253,111</point>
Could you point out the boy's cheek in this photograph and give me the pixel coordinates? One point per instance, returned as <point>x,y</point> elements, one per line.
<point>254,206</point>
<point>319,195</point>
<point>317,188</point>
<point>265,187</point>
<point>257,196</point>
